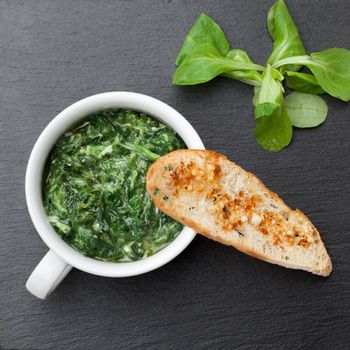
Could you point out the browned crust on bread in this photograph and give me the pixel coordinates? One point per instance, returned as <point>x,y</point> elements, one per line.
<point>151,183</point>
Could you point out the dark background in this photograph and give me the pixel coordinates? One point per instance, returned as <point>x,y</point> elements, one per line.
<point>211,296</point>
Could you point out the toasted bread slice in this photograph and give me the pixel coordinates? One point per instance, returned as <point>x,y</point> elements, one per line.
<point>220,200</point>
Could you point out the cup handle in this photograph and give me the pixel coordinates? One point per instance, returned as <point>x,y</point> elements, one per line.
<point>47,275</point>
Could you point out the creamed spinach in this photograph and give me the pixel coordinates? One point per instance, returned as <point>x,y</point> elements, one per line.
<point>95,193</point>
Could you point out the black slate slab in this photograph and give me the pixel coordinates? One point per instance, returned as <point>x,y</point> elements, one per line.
<point>211,296</point>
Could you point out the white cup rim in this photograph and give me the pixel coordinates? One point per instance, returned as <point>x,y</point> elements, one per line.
<point>33,182</point>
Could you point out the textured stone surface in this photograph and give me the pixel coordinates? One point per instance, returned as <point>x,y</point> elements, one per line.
<point>211,296</point>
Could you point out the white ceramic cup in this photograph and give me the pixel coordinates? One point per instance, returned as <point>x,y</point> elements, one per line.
<point>61,257</point>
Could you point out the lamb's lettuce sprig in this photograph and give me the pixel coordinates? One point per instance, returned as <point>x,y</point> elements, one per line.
<point>206,54</point>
